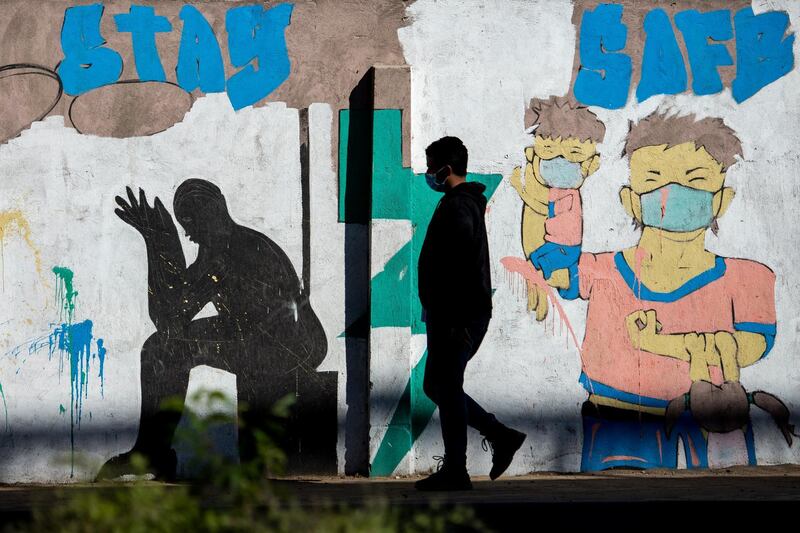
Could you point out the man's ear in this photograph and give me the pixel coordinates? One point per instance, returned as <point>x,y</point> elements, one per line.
<point>590,166</point>
<point>722,200</point>
<point>630,202</point>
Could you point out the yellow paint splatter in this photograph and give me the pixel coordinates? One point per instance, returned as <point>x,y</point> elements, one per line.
<point>14,219</point>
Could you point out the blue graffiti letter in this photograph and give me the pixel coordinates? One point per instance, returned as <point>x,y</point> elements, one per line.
<point>603,78</point>
<point>762,54</point>
<point>704,58</point>
<point>87,64</point>
<point>663,71</point>
<point>254,33</point>
<point>199,58</point>
<point>143,25</point>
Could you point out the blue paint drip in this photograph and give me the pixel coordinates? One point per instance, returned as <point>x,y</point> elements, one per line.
<point>74,341</point>
<point>101,358</point>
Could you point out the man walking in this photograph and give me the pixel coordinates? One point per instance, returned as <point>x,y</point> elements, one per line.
<point>456,296</point>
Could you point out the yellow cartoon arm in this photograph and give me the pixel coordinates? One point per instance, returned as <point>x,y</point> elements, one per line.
<point>533,193</point>
<point>729,351</point>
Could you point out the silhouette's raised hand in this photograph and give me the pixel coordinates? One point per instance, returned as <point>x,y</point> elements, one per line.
<point>147,220</point>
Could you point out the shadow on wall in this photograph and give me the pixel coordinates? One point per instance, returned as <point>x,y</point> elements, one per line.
<point>558,439</point>
<point>354,212</point>
<point>265,331</point>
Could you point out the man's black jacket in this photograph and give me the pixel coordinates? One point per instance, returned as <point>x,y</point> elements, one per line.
<point>454,278</point>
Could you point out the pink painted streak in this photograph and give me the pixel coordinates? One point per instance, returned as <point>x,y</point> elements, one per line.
<point>664,196</point>
<point>525,269</point>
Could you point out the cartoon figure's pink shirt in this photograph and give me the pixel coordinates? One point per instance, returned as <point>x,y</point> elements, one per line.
<point>564,225</point>
<point>736,294</point>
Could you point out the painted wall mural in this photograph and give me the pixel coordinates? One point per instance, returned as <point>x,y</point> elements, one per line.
<point>763,53</point>
<point>669,324</point>
<point>239,185</point>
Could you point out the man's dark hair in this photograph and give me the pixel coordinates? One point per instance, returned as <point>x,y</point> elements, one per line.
<point>449,151</point>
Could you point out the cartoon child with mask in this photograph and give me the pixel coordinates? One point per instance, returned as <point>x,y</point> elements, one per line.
<point>563,155</point>
<point>667,313</point>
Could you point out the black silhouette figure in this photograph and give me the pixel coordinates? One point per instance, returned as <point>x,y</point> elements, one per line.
<point>265,331</point>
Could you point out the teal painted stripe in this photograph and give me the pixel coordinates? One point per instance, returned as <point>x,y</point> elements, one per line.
<point>344,139</point>
<point>412,414</point>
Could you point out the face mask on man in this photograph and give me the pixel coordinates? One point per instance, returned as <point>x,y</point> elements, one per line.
<point>675,207</point>
<point>560,173</point>
<point>434,183</point>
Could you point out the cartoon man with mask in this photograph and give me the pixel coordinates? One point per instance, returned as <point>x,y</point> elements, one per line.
<point>563,155</point>
<point>667,313</point>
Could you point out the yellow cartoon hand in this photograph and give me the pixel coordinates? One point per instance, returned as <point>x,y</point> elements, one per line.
<point>727,354</point>
<point>702,351</point>
<point>537,301</point>
<point>516,180</point>
<point>533,193</point>
<point>590,165</point>
<point>643,328</point>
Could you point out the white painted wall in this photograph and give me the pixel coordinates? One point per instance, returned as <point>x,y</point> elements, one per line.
<point>65,184</point>
<point>475,83</point>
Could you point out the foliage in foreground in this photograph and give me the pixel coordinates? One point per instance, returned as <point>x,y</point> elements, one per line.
<point>228,495</point>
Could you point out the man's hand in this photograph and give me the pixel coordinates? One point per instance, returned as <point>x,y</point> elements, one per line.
<point>149,221</point>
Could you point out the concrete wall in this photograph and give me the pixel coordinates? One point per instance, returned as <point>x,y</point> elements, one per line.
<point>304,278</point>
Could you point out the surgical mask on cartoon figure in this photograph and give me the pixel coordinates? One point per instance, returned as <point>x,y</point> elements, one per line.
<point>675,207</point>
<point>560,173</point>
<point>435,184</point>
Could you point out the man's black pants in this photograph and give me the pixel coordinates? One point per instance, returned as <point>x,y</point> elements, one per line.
<point>450,347</point>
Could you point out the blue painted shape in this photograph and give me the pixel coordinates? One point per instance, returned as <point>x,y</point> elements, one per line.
<point>101,358</point>
<point>255,33</point>
<point>142,23</point>
<point>676,207</point>
<point>601,389</point>
<point>552,256</point>
<point>697,28</point>
<point>604,77</point>
<point>767,330</point>
<point>695,283</point>
<point>573,291</point>
<point>663,71</point>
<point>641,443</point>
<point>762,53</point>
<point>75,341</point>
<point>199,57</point>
<point>750,443</point>
<point>551,209</point>
<point>87,64</point>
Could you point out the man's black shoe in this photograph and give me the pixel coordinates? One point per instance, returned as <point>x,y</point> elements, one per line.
<point>504,446</point>
<point>445,478</point>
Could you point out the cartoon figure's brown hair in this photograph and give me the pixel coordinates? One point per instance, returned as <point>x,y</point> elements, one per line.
<point>719,140</point>
<point>565,118</point>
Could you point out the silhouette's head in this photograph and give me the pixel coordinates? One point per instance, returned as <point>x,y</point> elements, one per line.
<point>201,210</point>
